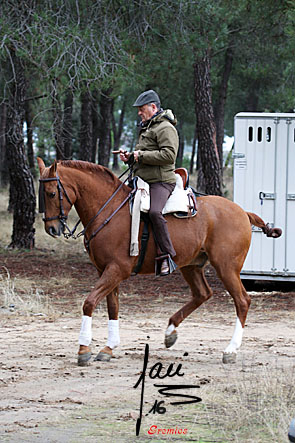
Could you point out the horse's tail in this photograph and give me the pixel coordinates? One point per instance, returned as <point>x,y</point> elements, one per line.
<point>267,230</point>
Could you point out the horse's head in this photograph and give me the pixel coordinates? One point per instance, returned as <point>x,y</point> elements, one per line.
<point>55,200</point>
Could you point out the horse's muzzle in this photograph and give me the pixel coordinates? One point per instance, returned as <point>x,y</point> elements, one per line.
<point>55,230</point>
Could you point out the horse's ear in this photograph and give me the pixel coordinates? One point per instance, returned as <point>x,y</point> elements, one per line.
<point>52,169</point>
<point>41,165</point>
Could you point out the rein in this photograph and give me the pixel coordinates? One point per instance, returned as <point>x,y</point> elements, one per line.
<point>63,218</point>
<point>87,241</point>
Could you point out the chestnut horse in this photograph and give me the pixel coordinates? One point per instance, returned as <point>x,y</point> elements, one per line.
<point>220,233</point>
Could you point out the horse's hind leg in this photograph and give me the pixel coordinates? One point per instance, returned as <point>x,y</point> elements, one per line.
<point>113,327</point>
<point>194,275</point>
<point>232,282</point>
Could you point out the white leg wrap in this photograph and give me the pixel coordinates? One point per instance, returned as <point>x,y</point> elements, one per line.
<point>113,334</point>
<point>85,332</point>
<point>236,340</point>
<point>170,329</point>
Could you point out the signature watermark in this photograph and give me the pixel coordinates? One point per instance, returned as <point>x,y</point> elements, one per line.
<point>154,430</point>
<point>157,371</point>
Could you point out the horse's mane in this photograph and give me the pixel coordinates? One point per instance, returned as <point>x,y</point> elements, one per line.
<point>87,166</point>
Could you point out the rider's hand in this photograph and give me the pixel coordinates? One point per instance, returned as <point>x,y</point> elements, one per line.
<point>124,155</point>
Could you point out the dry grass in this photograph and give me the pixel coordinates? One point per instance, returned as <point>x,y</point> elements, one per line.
<point>19,296</point>
<point>255,407</point>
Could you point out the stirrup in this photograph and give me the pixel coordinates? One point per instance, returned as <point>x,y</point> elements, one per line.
<point>158,265</point>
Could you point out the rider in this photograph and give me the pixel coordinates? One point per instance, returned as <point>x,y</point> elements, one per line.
<point>155,156</point>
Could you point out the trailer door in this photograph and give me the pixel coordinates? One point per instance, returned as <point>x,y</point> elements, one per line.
<point>254,183</point>
<point>290,201</point>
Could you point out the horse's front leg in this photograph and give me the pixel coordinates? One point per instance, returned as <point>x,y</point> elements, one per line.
<point>113,327</point>
<point>108,282</point>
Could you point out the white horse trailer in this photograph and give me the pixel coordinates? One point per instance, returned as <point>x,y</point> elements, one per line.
<point>264,183</point>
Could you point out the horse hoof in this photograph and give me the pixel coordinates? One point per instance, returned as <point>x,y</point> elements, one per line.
<point>229,357</point>
<point>83,359</point>
<point>170,339</point>
<point>103,356</point>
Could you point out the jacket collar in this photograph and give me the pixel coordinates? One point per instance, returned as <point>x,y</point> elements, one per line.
<point>147,123</point>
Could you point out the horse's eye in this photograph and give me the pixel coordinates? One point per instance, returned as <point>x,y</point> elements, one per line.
<point>52,194</point>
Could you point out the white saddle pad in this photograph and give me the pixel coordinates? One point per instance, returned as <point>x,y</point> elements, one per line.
<point>177,202</point>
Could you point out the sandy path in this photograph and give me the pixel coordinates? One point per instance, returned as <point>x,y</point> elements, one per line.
<point>46,397</point>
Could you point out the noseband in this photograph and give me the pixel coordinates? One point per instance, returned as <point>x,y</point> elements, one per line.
<point>61,190</point>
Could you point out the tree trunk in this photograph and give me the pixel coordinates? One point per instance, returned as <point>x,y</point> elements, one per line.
<point>117,131</point>
<point>200,174</point>
<point>57,122</point>
<point>86,129</point>
<point>252,98</point>
<point>42,150</point>
<point>191,168</point>
<point>181,146</point>
<point>95,126</point>
<point>210,179</point>
<point>21,180</point>
<point>67,129</point>
<point>30,150</point>
<point>220,107</point>
<point>4,174</point>
<point>105,127</point>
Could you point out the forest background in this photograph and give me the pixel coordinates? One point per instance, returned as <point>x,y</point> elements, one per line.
<point>71,69</point>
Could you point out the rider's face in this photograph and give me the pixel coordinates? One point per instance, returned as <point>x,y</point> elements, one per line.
<point>146,112</point>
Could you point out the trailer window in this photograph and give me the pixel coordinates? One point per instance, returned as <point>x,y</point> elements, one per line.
<point>259,134</point>
<point>268,134</point>
<point>250,135</point>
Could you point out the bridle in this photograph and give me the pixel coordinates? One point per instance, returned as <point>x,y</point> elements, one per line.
<point>63,218</point>
<point>61,190</point>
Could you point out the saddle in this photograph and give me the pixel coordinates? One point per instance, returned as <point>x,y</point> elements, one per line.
<point>183,172</point>
<point>185,208</point>
<point>181,203</point>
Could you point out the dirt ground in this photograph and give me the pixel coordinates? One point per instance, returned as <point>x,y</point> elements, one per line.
<point>46,397</point>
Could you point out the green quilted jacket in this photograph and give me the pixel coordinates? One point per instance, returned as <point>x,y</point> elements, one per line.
<point>158,145</point>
